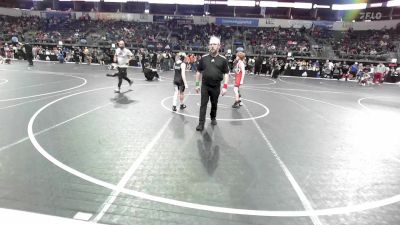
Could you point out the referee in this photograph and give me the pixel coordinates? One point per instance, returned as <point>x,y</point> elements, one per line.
<point>122,57</point>
<point>212,69</point>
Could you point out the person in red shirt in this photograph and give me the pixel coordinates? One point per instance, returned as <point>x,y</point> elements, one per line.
<point>239,77</point>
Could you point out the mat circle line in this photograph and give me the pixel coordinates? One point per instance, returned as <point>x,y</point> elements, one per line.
<point>49,93</point>
<point>3,81</point>
<point>219,119</point>
<point>359,101</point>
<point>299,213</point>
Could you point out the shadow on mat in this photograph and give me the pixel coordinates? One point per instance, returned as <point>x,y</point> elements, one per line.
<point>178,126</point>
<point>237,114</point>
<point>208,152</point>
<point>121,99</point>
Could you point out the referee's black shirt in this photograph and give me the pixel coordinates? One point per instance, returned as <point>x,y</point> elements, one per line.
<point>213,69</point>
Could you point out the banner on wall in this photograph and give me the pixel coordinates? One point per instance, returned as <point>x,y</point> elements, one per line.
<point>270,21</point>
<point>286,23</point>
<point>347,25</point>
<point>10,12</point>
<point>323,24</point>
<point>181,20</point>
<point>300,23</point>
<point>184,21</point>
<point>108,16</point>
<point>159,19</point>
<point>122,16</point>
<point>57,14</point>
<point>25,13</point>
<point>370,16</point>
<point>373,14</point>
<point>237,22</point>
<point>203,20</point>
<point>145,18</point>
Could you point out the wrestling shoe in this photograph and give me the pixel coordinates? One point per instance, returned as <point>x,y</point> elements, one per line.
<point>200,127</point>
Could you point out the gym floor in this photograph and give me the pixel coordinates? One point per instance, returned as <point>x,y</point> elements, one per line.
<point>300,151</point>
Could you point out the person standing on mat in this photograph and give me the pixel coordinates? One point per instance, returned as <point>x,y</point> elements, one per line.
<point>27,48</point>
<point>239,77</point>
<point>380,71</point>
<point>212,69</point>
<point>122,57</point>
<point>180,82</point>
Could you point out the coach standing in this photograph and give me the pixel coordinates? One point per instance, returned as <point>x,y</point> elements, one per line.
<point>212,69</point>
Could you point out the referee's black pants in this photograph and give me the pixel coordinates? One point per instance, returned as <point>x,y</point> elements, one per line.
<point>209,93</point>
<point>122,75</point>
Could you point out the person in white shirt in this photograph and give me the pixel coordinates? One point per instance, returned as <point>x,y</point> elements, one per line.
<point>250,65</point>
<point>330,65</point>
<point>329,68</point>
<point>122,57</point>
<point>379,72</point>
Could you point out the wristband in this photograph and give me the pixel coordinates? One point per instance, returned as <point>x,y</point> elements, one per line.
<point>197,83</point>
<point>226,86</point>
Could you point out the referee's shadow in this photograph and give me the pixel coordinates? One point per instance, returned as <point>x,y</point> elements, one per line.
<point>209,152</point>
<point>120,100</point>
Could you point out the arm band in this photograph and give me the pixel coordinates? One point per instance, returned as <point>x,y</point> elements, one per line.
<point>197,83</point>
<point>226,86</point>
